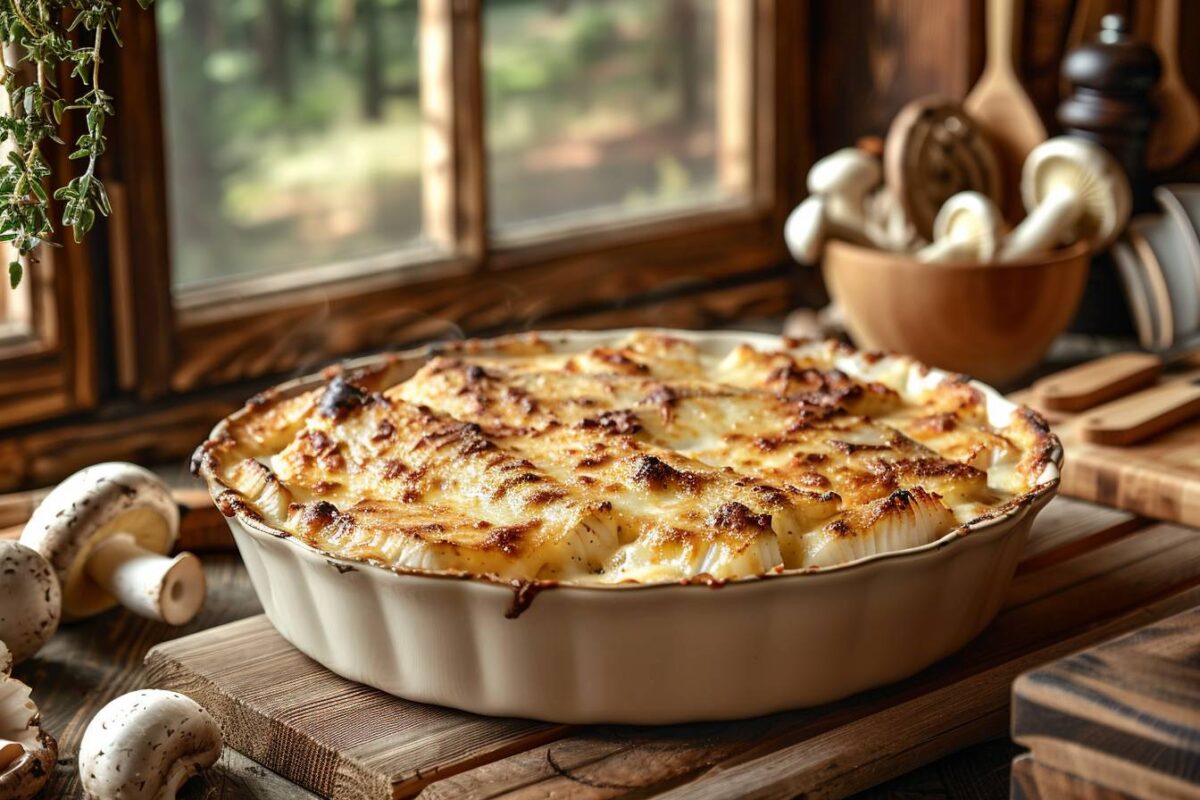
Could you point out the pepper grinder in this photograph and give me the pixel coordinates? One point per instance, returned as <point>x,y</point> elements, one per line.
<point>1110,103</point>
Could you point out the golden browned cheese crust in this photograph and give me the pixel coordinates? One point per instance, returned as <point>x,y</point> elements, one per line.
<point>645,461</point>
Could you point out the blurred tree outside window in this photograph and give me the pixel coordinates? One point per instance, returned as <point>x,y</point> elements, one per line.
<point>292,132</point>
<point>293,127</point>
<point>603,107</point>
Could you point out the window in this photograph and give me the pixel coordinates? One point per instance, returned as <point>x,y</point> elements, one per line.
<point>294,181</point>
<point>599,109</point>
<point>292,133</point>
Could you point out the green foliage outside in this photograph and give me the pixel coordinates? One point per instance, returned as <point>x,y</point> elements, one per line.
<point>294,126</point>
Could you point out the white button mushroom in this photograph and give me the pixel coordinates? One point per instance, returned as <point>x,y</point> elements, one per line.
<point>844,178</point>
<point>967,228</point>
<point>32,601</point>
<point>808,226</point>
<point>145,745</point>
<point>804,231</point>
<point>1073,191</point>
<point>27,753</point>
<point>107,531</point>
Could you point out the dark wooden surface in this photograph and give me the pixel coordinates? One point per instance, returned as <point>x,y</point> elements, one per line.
<point>1089,573</point>
<point>1125,714</point>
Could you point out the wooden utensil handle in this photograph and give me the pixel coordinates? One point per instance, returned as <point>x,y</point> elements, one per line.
<point>1001,35</point>
<point>1096,382</point>
<point>1139,416</point>
<point>1166,35</point>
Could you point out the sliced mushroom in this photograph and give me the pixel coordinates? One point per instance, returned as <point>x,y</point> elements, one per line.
<point>107,531</point>
<point>32,601</point>
<point>145,745</point>
<point>27,753</point>
<point>967,228</point>
<point>1073,191</point>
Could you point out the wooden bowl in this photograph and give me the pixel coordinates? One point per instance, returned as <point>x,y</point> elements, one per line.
<point>990,321</point>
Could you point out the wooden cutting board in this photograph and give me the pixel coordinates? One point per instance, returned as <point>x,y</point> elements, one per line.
<point>1124,715</point>
<point>1088,574</point>
<point>1158,477</point>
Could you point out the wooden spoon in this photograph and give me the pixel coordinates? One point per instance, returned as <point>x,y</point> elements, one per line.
<point>999,104</point>
<point>1177,129</point>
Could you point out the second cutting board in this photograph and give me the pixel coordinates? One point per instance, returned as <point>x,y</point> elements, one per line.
<point>1157,477</point>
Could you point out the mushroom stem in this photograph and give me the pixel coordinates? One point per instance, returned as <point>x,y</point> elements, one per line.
<point>152,585</point>
<point>1044,226</point>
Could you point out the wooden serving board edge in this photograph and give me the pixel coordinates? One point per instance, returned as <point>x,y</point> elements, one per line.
<point>332,773</point>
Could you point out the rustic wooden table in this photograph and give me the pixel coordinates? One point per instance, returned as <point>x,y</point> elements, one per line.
<point>1089,573</point>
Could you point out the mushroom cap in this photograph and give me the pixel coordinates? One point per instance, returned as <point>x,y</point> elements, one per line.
<point>1086,168</point>
<point>6,660</point>
<point>88,507</point>
<point>848,172</point>
<point>146,744</point>
<point>24,769</point>
<point>804,230</point>
<point>971,218</point>
<point>32,600</point>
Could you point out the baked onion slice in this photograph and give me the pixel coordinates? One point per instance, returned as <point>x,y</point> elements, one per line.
<point>905,518</point>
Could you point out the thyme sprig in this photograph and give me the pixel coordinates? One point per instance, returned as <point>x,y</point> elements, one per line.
<point>38,36</point>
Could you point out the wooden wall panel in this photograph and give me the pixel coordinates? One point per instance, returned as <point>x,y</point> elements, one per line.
<point>870,57</point>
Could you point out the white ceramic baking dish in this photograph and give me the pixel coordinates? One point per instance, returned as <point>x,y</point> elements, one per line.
<point>643,653</point>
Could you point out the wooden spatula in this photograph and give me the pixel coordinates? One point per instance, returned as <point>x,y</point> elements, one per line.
<point>1177,129</point>
<point>998,103</point>
<point>1142,415</point>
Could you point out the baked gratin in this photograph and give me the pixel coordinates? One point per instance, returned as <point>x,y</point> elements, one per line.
<point>655,459</point>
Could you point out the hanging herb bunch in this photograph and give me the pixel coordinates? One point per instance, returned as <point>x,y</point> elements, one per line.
<point>39,36</point>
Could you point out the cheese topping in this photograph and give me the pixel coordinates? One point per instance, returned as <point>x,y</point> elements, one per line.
<point>647,461</point>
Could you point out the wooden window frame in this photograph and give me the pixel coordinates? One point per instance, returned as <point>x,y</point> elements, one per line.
<point>241,330</point>
<point>49,360</point>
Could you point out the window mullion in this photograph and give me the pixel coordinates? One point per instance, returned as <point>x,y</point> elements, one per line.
<point>455,195</point>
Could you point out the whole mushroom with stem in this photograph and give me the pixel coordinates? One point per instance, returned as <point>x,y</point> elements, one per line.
<point>145,745</point>
<point>30,600</point>
<point>968,227</point>
<point>838,186</point>
<point>27,753</point>
<point>108,531</point>
<point>844,179</point>
<point>1073,190</point>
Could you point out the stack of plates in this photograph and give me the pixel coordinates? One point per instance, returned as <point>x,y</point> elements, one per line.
<point>1158,260</point>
